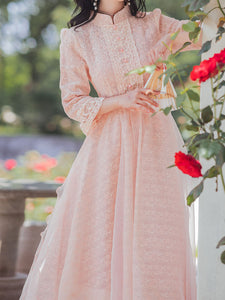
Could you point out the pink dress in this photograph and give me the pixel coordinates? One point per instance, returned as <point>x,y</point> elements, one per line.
<point>119,229</point>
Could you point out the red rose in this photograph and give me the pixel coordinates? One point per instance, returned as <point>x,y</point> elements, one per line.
<point>209,67</point>
<point>206,69</point>
<point>197,73</point>
<point>188,164</point>
<point>10,164</point>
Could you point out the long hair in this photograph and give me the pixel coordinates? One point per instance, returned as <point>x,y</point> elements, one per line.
<point>86,6</point>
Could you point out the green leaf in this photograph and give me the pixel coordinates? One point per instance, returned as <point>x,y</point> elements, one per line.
<point>221,242</point>
<point>153,114</point>
<point>209,148</point>
<point>166,46</point>
<point>219,85</point>
<point>191,127</point>
<point>194,123</point>
<point>200,137</point>
<point>194,35</point>
<point>193,95</point>
<point>220,30</point>
<point>222,117</point>
<point>171,166</point>
<point>195,193</point>
<point>174,35</point>
<point>205,47</point>
<point>166,79</point>
<point>189,27</point>
<point>222,257</point>
<point>220,156</point>
<point>222,83</point>
<point>136,71</point>
<point>148,69</point>
<point>180,99</point>
<point>216,125</point>
<point>184,46</point>
<point>214,171</point>
<point>192,14</point>
<point>207,114</point>
<point>167,110</point>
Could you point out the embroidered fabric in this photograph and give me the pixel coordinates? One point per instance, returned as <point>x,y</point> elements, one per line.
<point>127,43</point>
<point>74,84</point>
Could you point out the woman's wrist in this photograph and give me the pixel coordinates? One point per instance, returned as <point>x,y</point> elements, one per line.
<point>110,104</point>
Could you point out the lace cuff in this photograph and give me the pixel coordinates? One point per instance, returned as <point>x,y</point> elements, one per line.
<point>88,114</point>
<point>74,83</point>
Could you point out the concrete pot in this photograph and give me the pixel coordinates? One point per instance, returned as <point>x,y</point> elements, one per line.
<point>29,239</point>
<point>11,287</point>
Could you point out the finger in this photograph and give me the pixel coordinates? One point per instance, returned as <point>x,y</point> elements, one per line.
<point>143,108</point>
<point>150,91</point>
<point>136,107</point>
<point>146,105</point>
<point>150,100</point>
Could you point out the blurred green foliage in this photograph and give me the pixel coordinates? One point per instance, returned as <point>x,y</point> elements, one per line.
<point>29,78</point>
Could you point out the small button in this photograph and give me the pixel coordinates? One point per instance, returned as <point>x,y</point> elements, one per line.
<point>125,60</point>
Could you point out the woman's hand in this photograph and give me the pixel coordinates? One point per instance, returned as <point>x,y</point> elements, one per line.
<point>141,99</point>
<point>137,99</point>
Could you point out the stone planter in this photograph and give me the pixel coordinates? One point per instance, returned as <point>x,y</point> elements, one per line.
<point>12,204</point>
<point>11,287</point>
<point>29,238</point>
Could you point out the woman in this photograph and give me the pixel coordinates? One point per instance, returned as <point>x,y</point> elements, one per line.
<point>119,229</point>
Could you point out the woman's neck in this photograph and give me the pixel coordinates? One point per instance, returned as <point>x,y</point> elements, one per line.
<point>108,8</point>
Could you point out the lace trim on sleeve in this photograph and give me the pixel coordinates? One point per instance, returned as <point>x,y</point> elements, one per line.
<point>74,83</point>
<point>87,114</point>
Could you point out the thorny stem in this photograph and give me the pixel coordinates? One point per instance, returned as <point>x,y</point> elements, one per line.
<point>221,109</point>
<point>213,9</point>
<point>189,116</point>
<point>222,178</point>
<point>220,7</point>
<point>214,100</point>
<point>183,85</point>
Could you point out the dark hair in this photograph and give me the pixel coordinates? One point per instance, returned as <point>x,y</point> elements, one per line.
<point>86,6</point>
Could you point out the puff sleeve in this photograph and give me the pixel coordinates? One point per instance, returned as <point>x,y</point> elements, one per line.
<point>74,83</point>
<point>167,25</point>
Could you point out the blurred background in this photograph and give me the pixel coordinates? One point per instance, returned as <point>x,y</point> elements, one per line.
<point>37,139</point>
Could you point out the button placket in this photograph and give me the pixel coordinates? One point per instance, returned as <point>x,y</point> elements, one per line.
<point>123,55</point>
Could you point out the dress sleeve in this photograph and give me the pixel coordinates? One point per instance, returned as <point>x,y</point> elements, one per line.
<point>74,83</point>
<point>167,25</point>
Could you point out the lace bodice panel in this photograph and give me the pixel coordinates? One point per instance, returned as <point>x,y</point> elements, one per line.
<point>102,51</point>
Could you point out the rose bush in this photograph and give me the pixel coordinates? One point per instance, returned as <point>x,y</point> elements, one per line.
<point>206,125</point>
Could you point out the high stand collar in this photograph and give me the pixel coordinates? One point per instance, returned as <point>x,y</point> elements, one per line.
<point>105,19</point>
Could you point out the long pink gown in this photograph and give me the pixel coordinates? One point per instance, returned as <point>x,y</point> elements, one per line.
<point>119,229</point>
